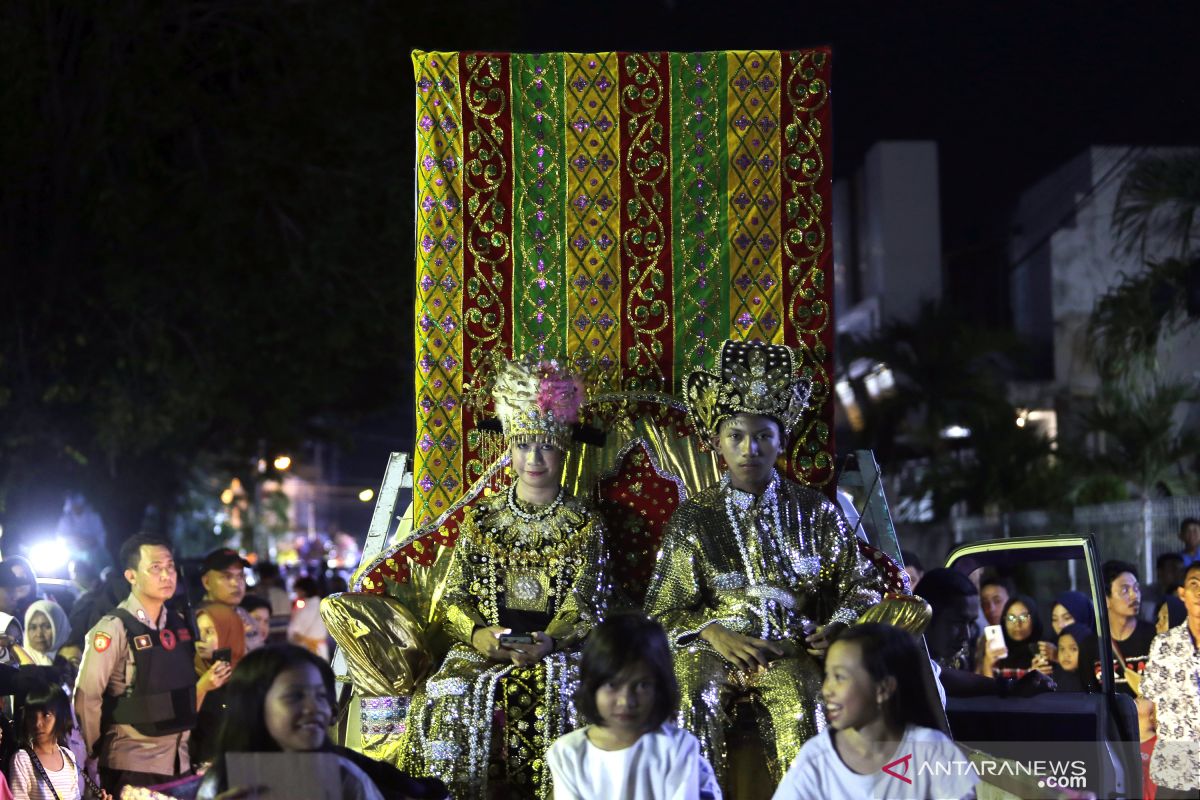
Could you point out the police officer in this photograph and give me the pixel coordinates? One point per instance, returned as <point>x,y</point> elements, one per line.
<point>135,697</point>
<point>223,575</point>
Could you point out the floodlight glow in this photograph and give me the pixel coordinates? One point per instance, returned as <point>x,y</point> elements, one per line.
<point>955,432</point>
<point>366,495</point>
<point>49,556</point>
<point>281,463</point>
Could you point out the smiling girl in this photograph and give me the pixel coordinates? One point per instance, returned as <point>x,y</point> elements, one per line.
<point>878,717</point>
<point>630,751</point>
<point>280,699</point>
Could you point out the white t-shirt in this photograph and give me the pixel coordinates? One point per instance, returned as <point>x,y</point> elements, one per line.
<point>27,783</point>
<point>664,764</point>
<point>936,769</point>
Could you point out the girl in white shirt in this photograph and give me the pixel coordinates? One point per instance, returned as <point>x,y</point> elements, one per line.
<point>882,741</point>
<point>43,769</point>
<point>630,751</point>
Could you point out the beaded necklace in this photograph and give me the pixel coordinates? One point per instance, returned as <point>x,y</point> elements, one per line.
<point>732,506</point>
<point>514,505</point>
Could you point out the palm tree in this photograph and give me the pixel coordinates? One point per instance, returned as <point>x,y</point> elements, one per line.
<point>1131,318</point>
<point>1159,195</point>
<point>1143,443</point>
<point>1135,410</point>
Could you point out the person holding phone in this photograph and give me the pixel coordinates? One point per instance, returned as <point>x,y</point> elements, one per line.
<point>220,645</point>
<point>525,585</point>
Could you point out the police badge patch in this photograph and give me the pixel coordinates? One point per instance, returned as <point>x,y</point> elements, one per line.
<point>142,642</point>
<point>100,642</point>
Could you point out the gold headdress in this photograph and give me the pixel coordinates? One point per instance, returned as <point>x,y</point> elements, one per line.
<point>538,401</point>
<point>754,378</point>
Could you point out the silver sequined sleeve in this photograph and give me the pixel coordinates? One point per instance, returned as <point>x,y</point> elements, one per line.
<point>677,596</point>
<point>851,581</point>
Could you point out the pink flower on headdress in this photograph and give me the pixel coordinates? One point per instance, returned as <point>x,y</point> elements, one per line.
<point>561,397</point>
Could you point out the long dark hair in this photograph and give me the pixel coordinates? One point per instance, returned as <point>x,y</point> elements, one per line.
<point>44,697</point>
<point>888,652</point>
<point>244,729</point>
<point>620,642</point>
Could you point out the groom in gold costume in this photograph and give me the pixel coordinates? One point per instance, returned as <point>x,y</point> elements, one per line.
<point>756,574</point>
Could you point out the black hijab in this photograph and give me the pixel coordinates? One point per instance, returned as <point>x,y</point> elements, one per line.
<point>1083,677</point>
<point>1020,652</point>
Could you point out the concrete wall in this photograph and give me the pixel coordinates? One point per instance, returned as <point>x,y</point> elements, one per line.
<point>887,236</point>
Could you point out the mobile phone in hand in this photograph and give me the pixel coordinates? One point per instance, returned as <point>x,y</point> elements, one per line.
<point>993,639</point>
<point>223,654</point>
<point>510,639</point>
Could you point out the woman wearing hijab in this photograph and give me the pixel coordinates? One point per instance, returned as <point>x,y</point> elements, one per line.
<point>1022,628</point>
<point>218,627</point>
<point>1171,613</point>
<point>1071,607</point>
<point>46,630</point>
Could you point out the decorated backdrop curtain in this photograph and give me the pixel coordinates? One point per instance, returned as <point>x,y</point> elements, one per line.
<point>626,210</point>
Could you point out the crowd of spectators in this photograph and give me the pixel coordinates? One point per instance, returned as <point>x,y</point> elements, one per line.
<point>137,684</point>
<point>1152,653</point>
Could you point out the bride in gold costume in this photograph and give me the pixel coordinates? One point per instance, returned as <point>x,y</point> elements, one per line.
<point>528,561</point>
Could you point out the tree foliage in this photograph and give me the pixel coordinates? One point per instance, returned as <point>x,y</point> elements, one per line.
<point>1133,317</point>
<point>206,226</point>
<point>950,371</point>
<point>1158,200</point>
<point>1143,441</point>
<point>1136,410</point>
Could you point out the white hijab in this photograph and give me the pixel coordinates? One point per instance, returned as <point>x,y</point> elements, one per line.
<point>60,629</point>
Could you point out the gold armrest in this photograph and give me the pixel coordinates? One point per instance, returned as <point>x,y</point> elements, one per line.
<point>905,611</point>
<point>384,643</point>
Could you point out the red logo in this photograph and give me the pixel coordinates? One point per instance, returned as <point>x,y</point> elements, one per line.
<point>903,774</point>
<point>100,642</point>
<point>185,635</point>
<point>167,638</point>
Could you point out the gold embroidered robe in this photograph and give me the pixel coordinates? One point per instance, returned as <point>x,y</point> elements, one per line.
<point>477,722</point>
<point>776,567</point>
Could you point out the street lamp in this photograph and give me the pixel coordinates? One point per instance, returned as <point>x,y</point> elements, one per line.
<point>282,463</point>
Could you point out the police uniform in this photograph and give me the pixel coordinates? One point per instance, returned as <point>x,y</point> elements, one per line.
<point>135,697</point>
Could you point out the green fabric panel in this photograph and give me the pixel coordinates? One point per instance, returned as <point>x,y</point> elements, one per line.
<point>700,217</point>
<point>539,189</point>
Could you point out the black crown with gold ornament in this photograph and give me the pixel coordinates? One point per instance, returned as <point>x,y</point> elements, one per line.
<point>755,378</point>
